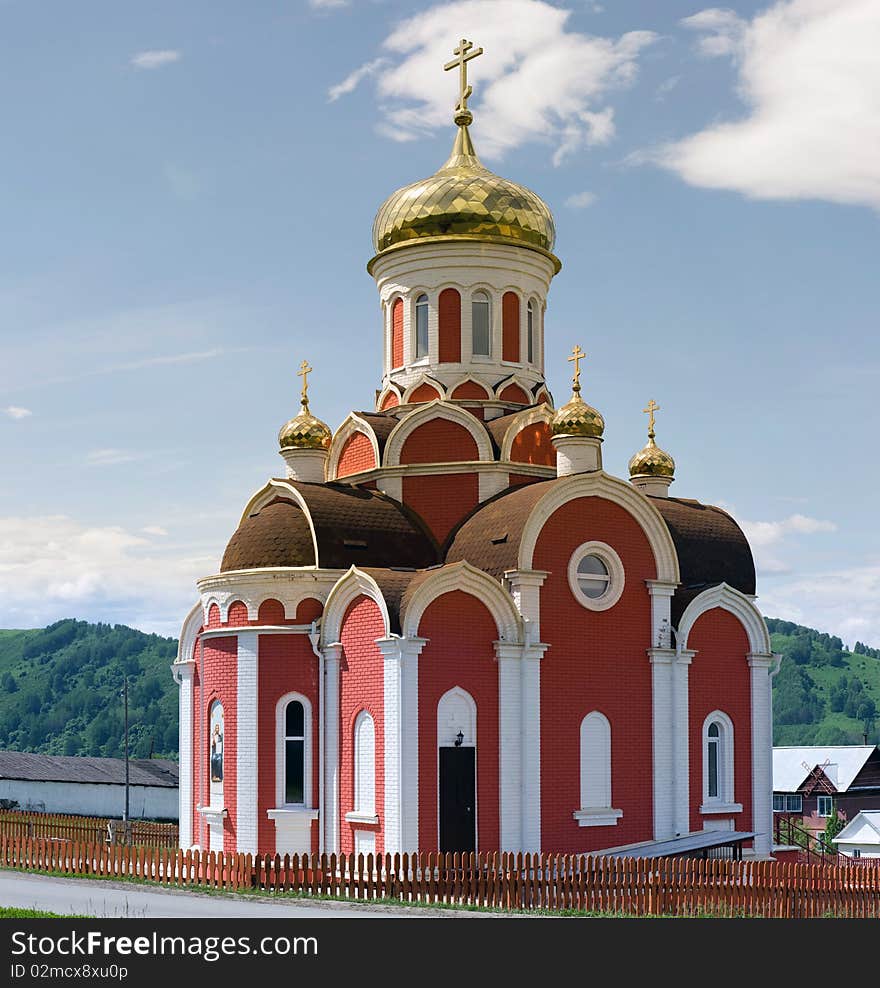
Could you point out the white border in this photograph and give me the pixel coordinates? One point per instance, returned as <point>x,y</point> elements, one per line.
<point>616,576</point>
<point>308,767</point>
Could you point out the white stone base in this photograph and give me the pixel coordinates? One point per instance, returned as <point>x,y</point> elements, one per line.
<point>293,829</point>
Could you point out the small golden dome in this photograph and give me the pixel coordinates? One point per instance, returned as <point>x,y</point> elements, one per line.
<point>577,418</point>
<point>652,461</point>
<point>465,201</point>
<point>305,431</point>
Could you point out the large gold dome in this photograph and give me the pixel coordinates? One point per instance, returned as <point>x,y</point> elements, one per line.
<point>577,418</point>
<point>465,201</point>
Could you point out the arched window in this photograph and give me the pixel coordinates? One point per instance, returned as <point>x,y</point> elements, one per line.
<point>718,775</point>
<point>215,752</point>
<point>530,331</point>
<point>481,324</point>
<point>294,753</point>
<point>421,326</point>
<point>364,764</point>
<point>595,770</point>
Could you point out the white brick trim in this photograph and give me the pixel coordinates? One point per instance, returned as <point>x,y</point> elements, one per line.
<point>183,676</point>
<point>329,727</point>
<point>736,603</point>
<point>355,583</point>
<point>437,409</point>
<point>246,744</point>
<point>762,668</point>
<point>600,484</point>
<point>350,427</point>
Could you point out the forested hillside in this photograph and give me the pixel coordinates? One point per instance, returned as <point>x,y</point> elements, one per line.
<point>823,694</point>
<point>60,690</point>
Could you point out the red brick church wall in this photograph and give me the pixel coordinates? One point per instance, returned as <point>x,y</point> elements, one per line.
<point>596,661</point>
<point>218,675</point>
<point>361,687</point>
<point>357,455</point>
<point>460,632</point>
<point>719,678</point>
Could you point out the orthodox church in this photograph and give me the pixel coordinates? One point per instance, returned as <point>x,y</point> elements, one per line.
<point>445,626</point>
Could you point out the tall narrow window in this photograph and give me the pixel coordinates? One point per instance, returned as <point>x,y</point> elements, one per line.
<point>364,764</point>
<point>718,753</point>
<point>595,765</point>
<point>481,323</point>
<point>421,326</point>
<point>530,331</point>
<point>510,327</point>
<point>714,742</point>
<point>294,753</point>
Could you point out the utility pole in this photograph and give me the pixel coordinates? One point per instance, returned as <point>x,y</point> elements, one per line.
<point>125,698</point>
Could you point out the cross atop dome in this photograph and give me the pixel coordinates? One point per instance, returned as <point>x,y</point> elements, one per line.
<point>465,52</point>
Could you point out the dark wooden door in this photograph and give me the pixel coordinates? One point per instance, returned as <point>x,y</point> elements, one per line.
<point>457,800</point>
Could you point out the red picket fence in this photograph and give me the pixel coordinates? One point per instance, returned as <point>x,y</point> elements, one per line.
<point>577,883</point>
<point>88,829</point>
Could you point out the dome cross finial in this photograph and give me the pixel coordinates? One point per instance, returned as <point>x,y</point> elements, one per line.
<point>303,372</point>
<point>649,411</point>
<point>577,355</point>
<point>465,52</point>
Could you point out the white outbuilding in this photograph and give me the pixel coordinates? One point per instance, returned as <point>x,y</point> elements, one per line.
<point>88,786</point>
<point>860,838</point>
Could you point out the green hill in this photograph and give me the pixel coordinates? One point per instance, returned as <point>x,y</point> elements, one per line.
<point>60,690</point>
<point>823,694</point>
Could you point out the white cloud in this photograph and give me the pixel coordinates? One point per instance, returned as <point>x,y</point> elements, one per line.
<point>723,31</point>
<point>809,73</point>
<point>581,200</point>
<point>354,79</point>
<point>53,567</point>
<point>844,602</point>
<point>327,4</point>
<point>155,58</point>
<point>17,412</point>
<point>536,81</point>
<point>766,537</point>
<point>109,457</point>
<point>154,530</point>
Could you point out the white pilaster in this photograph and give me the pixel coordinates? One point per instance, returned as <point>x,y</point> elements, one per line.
<point>519,744</point>
<point>401,720</point>
<point>330,728</point>
<point>525,588</point>
<point>246,763</point>
<point>392,486</point>
<point>762,669</point>
<point>183,676</point>
<point>492,482</point>
<point>661,612</point>
<point>663,720</point>
<point>680,741</point>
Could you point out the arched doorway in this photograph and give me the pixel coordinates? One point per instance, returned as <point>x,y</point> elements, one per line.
<point>457,771</point>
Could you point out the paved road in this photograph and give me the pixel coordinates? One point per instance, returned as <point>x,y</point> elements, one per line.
<point>115,900</point>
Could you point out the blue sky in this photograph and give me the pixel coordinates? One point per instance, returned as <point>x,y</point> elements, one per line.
<point>186,194</point>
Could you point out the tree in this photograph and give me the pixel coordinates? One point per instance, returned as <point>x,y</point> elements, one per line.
<point>833,826</point>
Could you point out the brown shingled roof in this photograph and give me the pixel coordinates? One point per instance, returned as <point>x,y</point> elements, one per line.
<point>489,537</point>
<point>352,526</point>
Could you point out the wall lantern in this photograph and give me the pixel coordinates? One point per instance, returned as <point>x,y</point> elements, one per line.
<point>459,739</point>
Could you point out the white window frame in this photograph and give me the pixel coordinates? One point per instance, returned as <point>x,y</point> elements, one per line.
<point>215,789</point>
<point>489,305</point>
<point>724,802</point>
<point>787,798</point>
<point>595,809</point>
<point>616,576</point>
<point>416,356</point>
<point>280,746</point>
<point>363,813</point>
<point>819,804</point>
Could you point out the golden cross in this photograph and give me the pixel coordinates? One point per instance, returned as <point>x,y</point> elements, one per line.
<point>577,355</point>
<point>303,372</point>
<point>464,54</point>
<point>652,407</point>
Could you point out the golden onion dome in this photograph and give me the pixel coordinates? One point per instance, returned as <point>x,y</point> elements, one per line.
<point>305,431</point>
<point>577,418</point>
<point>465,201</point>
<point>652,461</point>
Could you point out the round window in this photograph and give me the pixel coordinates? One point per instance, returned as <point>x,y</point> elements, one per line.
<point>592,576</point>
<point>595,575</point>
